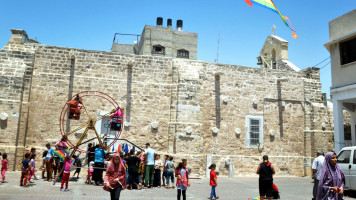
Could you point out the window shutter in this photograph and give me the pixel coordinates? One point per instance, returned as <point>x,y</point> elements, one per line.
<point>247,128</point>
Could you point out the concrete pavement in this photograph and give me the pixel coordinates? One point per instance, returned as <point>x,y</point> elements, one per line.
<point>228,189</point>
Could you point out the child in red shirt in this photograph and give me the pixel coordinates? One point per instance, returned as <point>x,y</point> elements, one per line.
<point>3,166</point>
<point>213,181</point>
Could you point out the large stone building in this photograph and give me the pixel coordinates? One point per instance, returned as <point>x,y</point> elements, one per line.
<point>206,112</point>
<point>342,48</point>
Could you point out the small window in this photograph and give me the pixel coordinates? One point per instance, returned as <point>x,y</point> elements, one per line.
<point>158,49</point>
<point>183,53</point>
<point>344,157</point>
<point>274,66</point>
<point>354,161</point>
<point>348,51</point>
<point>254,130</point>
<point>347,132</point>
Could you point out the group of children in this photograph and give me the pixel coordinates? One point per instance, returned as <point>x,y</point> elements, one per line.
<point>170,172</point>
<point>28,167</point>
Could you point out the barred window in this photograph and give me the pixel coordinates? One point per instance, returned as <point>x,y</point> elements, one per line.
<point>183,53</point>
<point>254,131</point>
<point>158,49</point>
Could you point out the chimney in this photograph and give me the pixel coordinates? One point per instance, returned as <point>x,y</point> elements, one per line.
<point>159,21</point>
<point>18,36</point>
<point>179,24</point>
<point>169,23</point>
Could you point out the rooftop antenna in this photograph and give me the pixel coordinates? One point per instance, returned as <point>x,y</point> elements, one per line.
<point>273,29</point>
<point>217,53</point>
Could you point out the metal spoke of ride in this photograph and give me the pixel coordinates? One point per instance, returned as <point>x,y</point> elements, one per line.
<point>106,115</point>
<point>73,152</point>
<point>86,110</point>
<point>98,136</point>
<point>77,129</point>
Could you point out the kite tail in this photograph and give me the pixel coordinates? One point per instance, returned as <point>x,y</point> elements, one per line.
<point>275,7</point>
<point>283,18</point>
<point>248,2</point>
<point>291,27</point>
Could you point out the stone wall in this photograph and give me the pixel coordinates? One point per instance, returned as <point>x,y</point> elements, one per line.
<point>187,98</point>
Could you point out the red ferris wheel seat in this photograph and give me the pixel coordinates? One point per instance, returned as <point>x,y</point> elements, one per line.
<point>75,108</point>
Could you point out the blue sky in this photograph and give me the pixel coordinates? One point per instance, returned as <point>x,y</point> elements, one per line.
<point>91,25</point>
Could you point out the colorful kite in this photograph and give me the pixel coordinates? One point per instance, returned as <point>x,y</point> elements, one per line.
<point>270,5</point>
<point>61,153</point>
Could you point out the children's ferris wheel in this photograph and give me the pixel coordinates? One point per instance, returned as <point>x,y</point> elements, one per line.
<point>78,116</point>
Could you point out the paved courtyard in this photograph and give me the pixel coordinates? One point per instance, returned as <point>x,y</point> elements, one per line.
<point>228,189</point>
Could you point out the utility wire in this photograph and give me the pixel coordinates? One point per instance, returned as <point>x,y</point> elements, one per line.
<point>325,65</point>
<point>321,61</point>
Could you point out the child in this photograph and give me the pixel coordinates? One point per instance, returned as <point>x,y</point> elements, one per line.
<point>78,164</point>
<point>157,174</point>
<point>43,168</point>
<point>3,166</point>
<point>49,162</point>
<point>66,172</point>
<point>32,169</point>
<point>90,173</point>
<point>182,179</point>
<point>140,168</point>
<point>170,172</point>
<point>164,174</point>
<point>26,166</point>
<point>213,181</point>
<point>33,151</point>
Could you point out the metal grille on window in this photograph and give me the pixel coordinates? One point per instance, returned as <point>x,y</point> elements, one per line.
<point>254,131</point>
<point>158,50</point>
<point>183,54</point>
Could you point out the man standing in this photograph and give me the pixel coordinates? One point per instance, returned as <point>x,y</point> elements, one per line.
<point>49,162</point>
<point>149,169</point>
<point>316,168</point>
<point>91,154</point>
<point>266,171</point>
<point>99,165</point>
<point>133,163</point>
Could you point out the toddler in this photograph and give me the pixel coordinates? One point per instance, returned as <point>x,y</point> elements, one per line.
<point>90,172</point>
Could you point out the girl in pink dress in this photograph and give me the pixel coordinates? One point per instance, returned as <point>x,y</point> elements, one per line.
<point>67,164</point>
<point>32,170</point>
<point>3,166</point>
<point>182,175</point>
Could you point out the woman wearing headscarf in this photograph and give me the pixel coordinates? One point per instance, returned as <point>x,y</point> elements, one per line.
<point>115,178</point>
<point>332,180</point>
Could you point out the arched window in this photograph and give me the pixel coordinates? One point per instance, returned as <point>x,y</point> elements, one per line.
<point>182,53</point>
<point>158,49</point>
<point>274,64</point>
<point>264,63</point>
